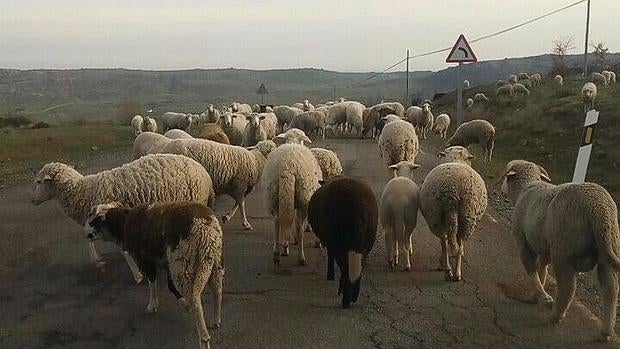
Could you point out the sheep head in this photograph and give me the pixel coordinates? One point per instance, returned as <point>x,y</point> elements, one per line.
<point>456,153</point>
<point>47,180</point>
<point>404,169</point>
<point>294,135</point>
<point>95,227</point>
<point>519,173</point>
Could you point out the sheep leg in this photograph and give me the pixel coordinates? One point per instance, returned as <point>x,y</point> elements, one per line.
<point>277,244</point>
<point>299,232</point>
<point>135,270</point>
<point>389,246</point>
<point>534,269</point>
<point>246,223</point>
<point>228,216</point>
<point>608,280</point>
<point>216,286</point>
<point>566,278</point>
<point>330,265</point>
<point>195,307</point>
<point>446,259</point>
<point>543,297</point>
<point>459,261</point>
<point>153,305</point>
<point>95,258</point>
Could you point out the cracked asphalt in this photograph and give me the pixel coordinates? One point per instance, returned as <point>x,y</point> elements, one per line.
<point>51,297</point>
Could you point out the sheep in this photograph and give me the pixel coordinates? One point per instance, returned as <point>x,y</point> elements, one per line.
<point>185,235</point>
<point>241,108</point>
<point>212,132</point>
<point>285,114</point>
<point>523,76</point>
<point>307,106</point>
<point>398,212</point>
<point>175,133</point>
<point>372,119</point>
<point>500,83</point>
<point>311,122</point>
<point>150,125</point>
<point>290,176</point>
<point>558,81</point>
<point>573,227</point>
<point>255,108</point>
<point>610,76</point>
<point>481,98</point>
<point>588,96</point>
<point>512,79</point>
<point>453,199</point>
<point>328,162</point>
<point>466,84</point>
<point>343,215</point>
<point>211,115</point>
<point>520,90</point>
<point>506,90</point>
<point>148,143</point>
<point>137,123</point>
<point>469,103</point>
<point>235,170</point>
<point>233,125</point>
<point>171,120</point>
<point>337,115</point>
<point>442,123</point>
<point>398,142</point>
<point>598,79</point>
<point>293,135</point>
<point>354,112</point>
<point>456,153</point>
<point>152,178</point>
<point>475,131</point>
<point>422,118</point>
<point>536,79</point>
<point>260,127</point>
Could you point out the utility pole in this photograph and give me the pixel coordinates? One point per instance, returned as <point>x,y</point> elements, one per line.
<point>585,53</point>
<point>407,82</point>
<point>334,93</point>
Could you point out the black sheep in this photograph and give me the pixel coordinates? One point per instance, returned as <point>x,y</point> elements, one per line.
<point>343,215</point>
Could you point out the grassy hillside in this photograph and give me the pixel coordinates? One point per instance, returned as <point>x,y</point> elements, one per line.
<point>546,127</point>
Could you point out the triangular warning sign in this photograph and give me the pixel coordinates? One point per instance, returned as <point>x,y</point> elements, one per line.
<point>262,90</point>
<point>461,52</point>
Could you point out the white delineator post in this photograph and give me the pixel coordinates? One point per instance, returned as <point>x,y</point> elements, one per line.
<point>459,95</point>
<point>583,158</point>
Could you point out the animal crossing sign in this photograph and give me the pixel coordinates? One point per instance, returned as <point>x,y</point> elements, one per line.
<point>461,52</point>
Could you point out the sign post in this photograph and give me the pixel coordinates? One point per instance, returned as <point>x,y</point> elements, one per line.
<point>461,53</point>
<point>583,157</point>
<point>262,91</point>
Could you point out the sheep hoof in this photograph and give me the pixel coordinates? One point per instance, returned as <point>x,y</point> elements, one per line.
<point>225,219</point>
<point>151,309</point>
<point>247,226</point>
<point>138,278</point>
<point>100,263</point>
<point>276,260</point>
<point>214,326</point>
<point>555,319</point>
<point>182,302</point>
<point>408,268</point>
<point>546,300</point>
<point>301,262</point>
<point>317,244</point>
<point>606,338</point>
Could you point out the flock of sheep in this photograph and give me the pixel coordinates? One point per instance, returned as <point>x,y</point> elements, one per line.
<point>158,208</point>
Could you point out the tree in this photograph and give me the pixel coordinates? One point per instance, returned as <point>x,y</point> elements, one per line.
<point>560,50</point>
<point>600,53</point>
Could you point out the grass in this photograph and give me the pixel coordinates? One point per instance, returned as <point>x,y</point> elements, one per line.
<point>546,127</point>
<point>24,151</point>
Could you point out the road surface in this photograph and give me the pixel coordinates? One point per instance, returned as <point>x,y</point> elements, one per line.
<point>51,297</point>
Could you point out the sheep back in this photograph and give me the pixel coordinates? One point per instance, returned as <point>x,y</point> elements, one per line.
<point>398,142</point>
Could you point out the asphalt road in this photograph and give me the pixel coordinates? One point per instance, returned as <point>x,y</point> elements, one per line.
<point>51,297</point>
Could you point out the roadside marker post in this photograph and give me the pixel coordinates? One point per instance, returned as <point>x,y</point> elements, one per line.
<point>583,157</point>
<point>461,53</point>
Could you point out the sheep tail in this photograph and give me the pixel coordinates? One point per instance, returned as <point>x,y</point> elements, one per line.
<point>607,237</point>
<point>286,205</point>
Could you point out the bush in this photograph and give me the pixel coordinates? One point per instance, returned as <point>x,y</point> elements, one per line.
<point>15,121</point>
<point>41,124</point>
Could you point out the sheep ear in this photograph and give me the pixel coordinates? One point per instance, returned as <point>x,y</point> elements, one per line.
<point>441,154</point>
<point>305,138</point>
<point>281,135</point>
<point>251,147</point>
<point>470,157</point>
<point>511,173</point>
<point>321,182</point>
<point>262,117</point>
<point>47,177</point>
<point>545,178</point>
<point>414,166</point>
<point>393,167</point>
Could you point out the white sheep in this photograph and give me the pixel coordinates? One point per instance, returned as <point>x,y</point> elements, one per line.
<point>520,90</point>
<point>456,153</point>
<point>466,84</point>
<point>558,81</point>
<point>233,125</point>
<point>152,178</point>
<point>311,122</point>
<point>421,118</point>
<point>610,76</point>
<point>293,135</point>
<point>588,96</point>
<point>328,162</point>
<point>137,123</point>
<point>469,103</point>
<point>354,112</point>
<point>372,117</point>
<point>506,90</point>
<point>536,79</point>
<point>307,106</point>
<point>598,79</point>
<point>453,199</point>
<point>398,142</point>
<point>512,79</point>
<point>211,115</point>
<point>481,98</point>
<point>500,83</point>
<point>290,176</point>
<point>285,114</point>
<point>150,125</point>
<point>442,123</point>
<point>475,131</point>
<point>260,127</point>
<point>398,212</point>
<point>573,227</point>
<point>241,108</point>
<point>175,133</point>
<point>148,143</point>
<point>188,237</point>
<point>337,115</point>
<point>523,76</point>
<point>171,120</point>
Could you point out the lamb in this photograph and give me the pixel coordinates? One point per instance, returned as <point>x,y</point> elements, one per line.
<point>186,235</point>
<point>506,90</point>
<point>536,79</point>
<point>241,108</point>
<point>260,127</point>
<point>175,133</point>
<point>211,115</point>
<point>598,79</point>
<point>328,162</point>
<point>137,123</point>
<point>311,122</point>
<point>150,179</point>
<point>475,131</point>
<point>150,125</point>
<point>573,227</point>
<point>469,103</point>
<point>442,123</point>
<point>421,118</point>
<point>466,84</point>
<point>212,132</point>
<point>171,120</point>
<point>520,90</point>
<point>148,143</point>
<point>235,170</point>
<point>343,214</point>
<point>558,80</point>
<point>481,98</point>
<point>588,96</point>
<point>512,79</point>
<point>398,142</point>
<point>233,125</point>
<point>290,176</point>
<point>398,212</point>
<point>453,199</point>
<point>285,114</point>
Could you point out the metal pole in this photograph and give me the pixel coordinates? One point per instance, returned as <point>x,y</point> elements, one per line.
<point>585,53</point>
<point>407,83</point>
<point>459,96</point>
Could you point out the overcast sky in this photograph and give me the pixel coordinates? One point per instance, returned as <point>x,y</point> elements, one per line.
<point>347,35</point>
